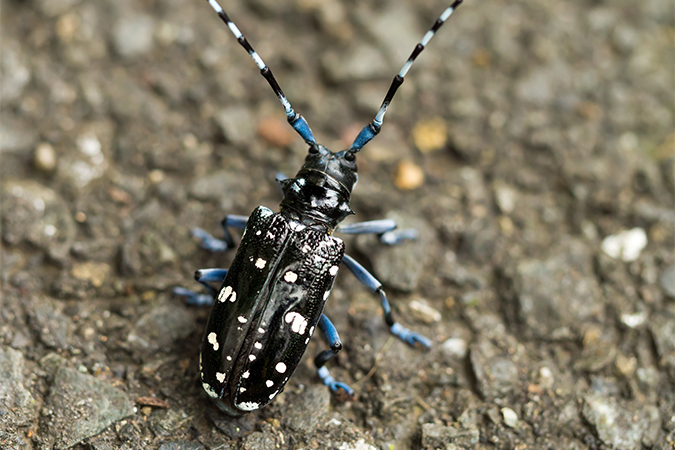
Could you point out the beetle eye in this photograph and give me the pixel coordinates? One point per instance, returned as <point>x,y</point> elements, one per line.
<point>314,149</point>
<point>350,157</point>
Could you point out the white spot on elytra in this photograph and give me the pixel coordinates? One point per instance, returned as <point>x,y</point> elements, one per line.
<point>258,233</point>
<point>242,389</point>
<point>229,358</point>
<point>245,374</point>
<point>311,331</point>
<point>291,277</point>
<point>220,376</point>
<point>213,340</point>
<point>307,341</point>
<point>333,270</point>
<point>241,319</point>
<point>326,294</point>
<point>269,383</point>
<point>280,367</point>
<point>251,357</point>
<point>305,248</point>
<point>270,235</point>
<point>225,293</point>
<point>209,390</point>
<point>261,330</point>
<point>248,406</point>
<point>258,345</point>
<point>273,394</point>
<point>298,323</point>
<point>260,263</point>
<point>233,297</point>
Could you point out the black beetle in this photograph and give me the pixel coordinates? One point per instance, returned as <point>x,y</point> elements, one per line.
<point>271,299</point>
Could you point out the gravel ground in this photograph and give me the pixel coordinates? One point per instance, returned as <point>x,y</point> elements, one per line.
<point>531,146</point>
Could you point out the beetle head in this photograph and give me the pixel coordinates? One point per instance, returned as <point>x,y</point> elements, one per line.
<point>340,166</point>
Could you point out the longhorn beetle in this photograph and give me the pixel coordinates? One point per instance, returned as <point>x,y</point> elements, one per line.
<point>272,298</point>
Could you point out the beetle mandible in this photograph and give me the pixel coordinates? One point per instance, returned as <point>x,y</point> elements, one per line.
<point>272,297</point>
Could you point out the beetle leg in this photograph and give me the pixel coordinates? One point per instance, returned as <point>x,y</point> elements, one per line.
<point>372,283</point>
<point>204,277</point>
<point>384,228</point>
<point>220,245</point>
<point>331,335</point>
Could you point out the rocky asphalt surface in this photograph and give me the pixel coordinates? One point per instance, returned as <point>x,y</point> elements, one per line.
<point>531,146</point>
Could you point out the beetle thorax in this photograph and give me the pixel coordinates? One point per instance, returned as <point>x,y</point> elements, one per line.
<point>321,190</point>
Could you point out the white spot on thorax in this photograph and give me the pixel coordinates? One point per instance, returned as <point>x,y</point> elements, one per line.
<point>260,263</point>
<point>305,248</point>
<point>280,367</point>
<point>298,323</point>
<point>291,277</point>
<point>213,340</point>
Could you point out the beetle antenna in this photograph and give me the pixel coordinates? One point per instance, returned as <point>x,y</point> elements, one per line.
<point>296,120</point>
<point>373,128</point>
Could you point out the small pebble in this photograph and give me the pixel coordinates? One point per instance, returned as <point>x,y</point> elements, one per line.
<point>430,135</point>
<point>133,36</point>
<point>626,365</point>
<point>408,176</point>
<point>634,320</point>
<point>455,347</point>
<point>276,132</point>
<point>626,245</point>
<point>423,312</point>
<point>95,272</point>
<point>510,417</point>
<point>45,157</point>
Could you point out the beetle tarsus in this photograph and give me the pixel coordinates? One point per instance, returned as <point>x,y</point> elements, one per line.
<point>208,242</point>
<point>396,237</point>
<point>193,298</point>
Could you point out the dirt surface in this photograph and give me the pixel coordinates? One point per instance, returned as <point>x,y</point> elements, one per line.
<point>531,146</point>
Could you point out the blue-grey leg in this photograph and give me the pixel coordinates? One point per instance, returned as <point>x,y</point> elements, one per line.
<point>331,335</point>
<point>398,330</point>
<point>220,245</point>
<point>204,277</point>
<point>385,228</point>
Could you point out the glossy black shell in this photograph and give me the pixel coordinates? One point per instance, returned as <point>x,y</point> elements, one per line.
<point>267,309</point>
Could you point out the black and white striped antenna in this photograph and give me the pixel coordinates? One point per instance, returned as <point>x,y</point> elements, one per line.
<point>373,128</point>
<point>296,120</point>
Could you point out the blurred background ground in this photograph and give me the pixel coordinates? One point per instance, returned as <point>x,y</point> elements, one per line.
<point>531,146</point>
